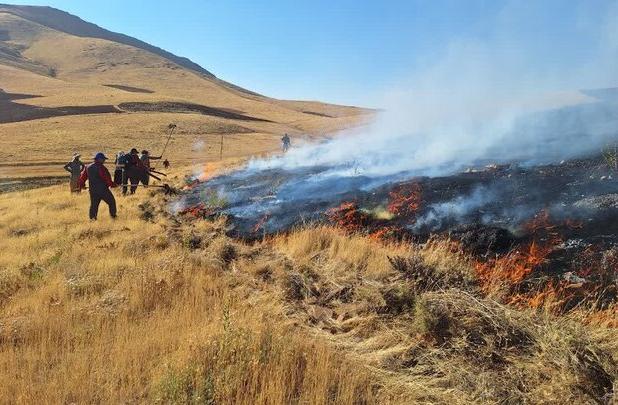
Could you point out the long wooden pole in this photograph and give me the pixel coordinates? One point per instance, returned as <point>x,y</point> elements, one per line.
<point>221,149</point>
<point>172,128</point>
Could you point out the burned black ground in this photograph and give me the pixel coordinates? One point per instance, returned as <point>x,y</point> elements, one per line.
<point>567,210</point>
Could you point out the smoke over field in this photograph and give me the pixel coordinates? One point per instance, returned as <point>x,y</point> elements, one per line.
<point>476,102</point>
<point>478,145</point>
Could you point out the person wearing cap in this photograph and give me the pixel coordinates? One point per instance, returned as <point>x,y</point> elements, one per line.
<point>99,181</point>
<point>75,167</point>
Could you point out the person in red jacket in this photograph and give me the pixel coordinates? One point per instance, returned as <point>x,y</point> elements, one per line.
<point>99,181</point>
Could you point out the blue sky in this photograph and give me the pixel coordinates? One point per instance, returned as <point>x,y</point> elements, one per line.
<point>351,51</point>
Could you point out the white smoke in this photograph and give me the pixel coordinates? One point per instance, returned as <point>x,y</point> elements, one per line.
<point>455,210</point>
<point>481,101</point>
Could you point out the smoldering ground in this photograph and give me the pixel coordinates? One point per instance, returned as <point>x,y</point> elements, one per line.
<point>480,101</point>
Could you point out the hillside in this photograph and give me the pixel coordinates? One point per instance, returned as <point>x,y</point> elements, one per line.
<point>64,82</point>
<point>72,25</point>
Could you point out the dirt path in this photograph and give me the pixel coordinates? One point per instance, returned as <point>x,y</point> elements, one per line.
<point>8,185</point>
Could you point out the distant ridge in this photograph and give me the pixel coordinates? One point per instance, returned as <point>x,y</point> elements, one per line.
<point>70,24</point>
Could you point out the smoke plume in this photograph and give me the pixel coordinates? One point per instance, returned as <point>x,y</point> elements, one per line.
<point>483,101</point>
<point>478,102</point>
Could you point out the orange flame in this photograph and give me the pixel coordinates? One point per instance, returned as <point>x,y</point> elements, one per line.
<point>197,211</point>
<point>348,217</point>
<point>260,223</point>
<point>515,266</point>
<point>596,290</point>
<point>405,199</point>
<point>385,233</point>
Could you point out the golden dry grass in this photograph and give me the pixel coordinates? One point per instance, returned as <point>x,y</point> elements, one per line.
<point>425,323</point>
<point>118,311</point>
<point>170,310</point>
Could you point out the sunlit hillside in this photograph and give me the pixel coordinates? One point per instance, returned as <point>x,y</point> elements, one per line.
<point>62,90</point>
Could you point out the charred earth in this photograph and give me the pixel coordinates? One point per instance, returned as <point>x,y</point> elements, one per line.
<point>538,229</point>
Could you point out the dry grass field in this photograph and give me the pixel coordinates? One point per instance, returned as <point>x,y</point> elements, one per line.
<point>125,311</point>
<point>155,308</point>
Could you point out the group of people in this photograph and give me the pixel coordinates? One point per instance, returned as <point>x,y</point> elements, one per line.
<point>134,168</point>
<point>131,169</point>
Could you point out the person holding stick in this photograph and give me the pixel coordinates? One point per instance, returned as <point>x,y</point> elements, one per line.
<point>146,158</point>
<point>99,183</point>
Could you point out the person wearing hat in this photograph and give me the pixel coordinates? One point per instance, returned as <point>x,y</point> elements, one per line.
<point>75,167</point>
<point>99,181</point>
<point>146,158</point>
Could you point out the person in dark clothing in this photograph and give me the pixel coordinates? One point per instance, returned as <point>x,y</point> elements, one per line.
<point>286,142</point>
<point>166,164</point>
<point>134,172</point>
<point>120,166</point>
<point>146,158</point>
<point>75,167</point>
<point>99,181</point>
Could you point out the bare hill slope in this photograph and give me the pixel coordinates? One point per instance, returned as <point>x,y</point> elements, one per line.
<point>70,24</point>
<point>67,85</point>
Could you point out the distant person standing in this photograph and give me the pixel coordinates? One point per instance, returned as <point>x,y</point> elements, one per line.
<point>286,142</point>
<point>75,167</point>
<point>99,182</point>
<point>166,164</point>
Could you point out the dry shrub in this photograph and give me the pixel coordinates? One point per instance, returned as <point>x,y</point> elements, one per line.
<point>492,353</point>
<point>80,285</point>
<point>264,272</point>
<point>421,315</point>
<point>10,283</point>
<point>267,366</point>
<point>227,253</point>
<point>458,320</point>
<point>192,241</point>
<point>398,299</point>
<point>423,277</point>
<point>295,287</point>
<point>147,211</point>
